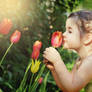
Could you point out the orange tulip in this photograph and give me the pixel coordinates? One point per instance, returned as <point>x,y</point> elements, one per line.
<point>15,36</point>
<point>56,39</point>
<point>35,54</point>
<point>37,45</point>
<point>5,26</point>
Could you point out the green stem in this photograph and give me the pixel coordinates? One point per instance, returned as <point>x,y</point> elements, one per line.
<point>35,84</point>
<point>31,79</point>
<point>5,53</point>
<point>25,76</point>
<point>34,87</point>
<point>23,82</point>
<point>30,83</point>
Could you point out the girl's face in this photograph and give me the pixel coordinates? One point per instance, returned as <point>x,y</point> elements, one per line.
<point>72,35</point>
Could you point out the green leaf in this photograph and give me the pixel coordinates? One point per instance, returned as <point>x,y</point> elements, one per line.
<point>23,82</point>
<point>43,85</point>
<point>35,84</point>
<point>1,90</point>
<point>9,85</point>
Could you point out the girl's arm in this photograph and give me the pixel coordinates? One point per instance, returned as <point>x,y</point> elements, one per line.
<point>78,80</point>
<point>56,78</point>
<point>72,83</point>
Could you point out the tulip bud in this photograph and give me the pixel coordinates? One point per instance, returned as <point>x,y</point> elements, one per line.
<point>56,39</point>
<point>37,45</point>
<point>35,54</point>
<point>35,66</point>
<point>40,80</point>
<point>5,26</point>
<point>36,49</point>
<point>15,36</point>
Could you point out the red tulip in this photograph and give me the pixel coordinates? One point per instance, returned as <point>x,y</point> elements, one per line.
<point>35,54</point>
<point>40,80</point>
<point>5,26</point>
<point>15,36</point>
<point>36,49</point>
<point>37,45</point>
<point>56,39</point>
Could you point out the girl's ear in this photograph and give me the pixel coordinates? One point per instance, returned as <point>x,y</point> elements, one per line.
<point>88,39</point>
<point>88,25</point>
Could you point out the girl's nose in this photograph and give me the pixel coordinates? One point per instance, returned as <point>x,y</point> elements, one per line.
<point>64,34</point>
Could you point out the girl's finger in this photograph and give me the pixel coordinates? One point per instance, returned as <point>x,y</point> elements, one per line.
<point>45,60</point>
<point>44,52</point>
<point>47,49</point>
<point>45,56</point>
<point>51,67</point>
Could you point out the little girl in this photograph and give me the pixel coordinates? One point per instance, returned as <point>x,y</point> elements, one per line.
<point>78,36</point>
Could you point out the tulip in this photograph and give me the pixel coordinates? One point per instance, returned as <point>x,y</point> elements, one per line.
<point>36,49</point>
<point>5,26</point>
<point>56,39</point>
<point>15,37</point>
<point>40,80</point>
<point>37,45</point>
<point>35,66</point>
<point>35,54</point>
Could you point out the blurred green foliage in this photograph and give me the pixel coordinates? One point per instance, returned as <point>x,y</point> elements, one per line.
<point>87,4</point>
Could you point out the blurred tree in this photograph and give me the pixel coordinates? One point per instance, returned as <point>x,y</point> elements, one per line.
<point>87,4</point>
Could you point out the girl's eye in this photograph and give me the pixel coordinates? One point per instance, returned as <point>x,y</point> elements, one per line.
<point>70,32</point>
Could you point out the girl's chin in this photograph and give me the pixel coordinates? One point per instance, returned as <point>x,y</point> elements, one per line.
<point>65,46</point>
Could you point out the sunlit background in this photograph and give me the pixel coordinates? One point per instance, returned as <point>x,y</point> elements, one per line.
<point>19,11</point>
<point>22,12</point>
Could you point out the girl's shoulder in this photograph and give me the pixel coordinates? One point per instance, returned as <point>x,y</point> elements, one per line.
<point>79,62</point>
<point>89,57</point>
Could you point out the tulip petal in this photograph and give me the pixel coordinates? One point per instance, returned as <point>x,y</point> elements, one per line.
<point>35,66</point>
<point>56,39</point>
<point>36,49</point>
<point>5,26</point>
<point>15,37</point>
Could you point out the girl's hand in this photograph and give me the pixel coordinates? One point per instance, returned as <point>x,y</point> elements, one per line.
<point>49,65</point>
<point>52,55</point>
